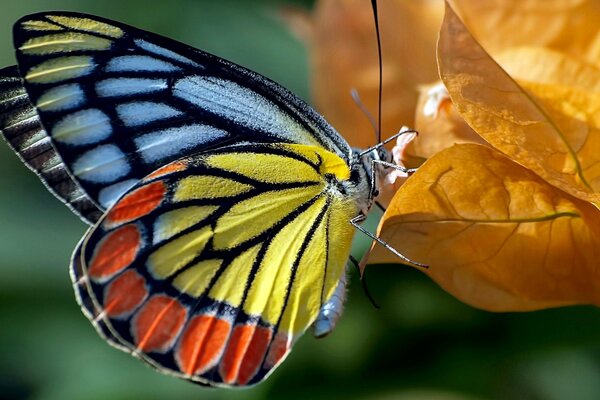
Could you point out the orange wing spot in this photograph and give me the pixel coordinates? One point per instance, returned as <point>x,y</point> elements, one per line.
<point>167,169</point>
<point>137,203</point>
<point>202,344</point>
<point>278,349</point>
<point>158,323</point>
<point>125,294</point>
<point>244,354</point>
<point>115,252</point>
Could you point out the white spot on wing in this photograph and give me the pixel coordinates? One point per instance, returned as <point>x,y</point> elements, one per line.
<point>82,127</point>
<point>129,86</point>
<point>60,98</point>
<point>140,63</point>
<point>143,112</point>
<point>241,105</point>
<point>156,146</point>
<point>76,194</point>
<point>103,164</point>
<point>51,163</point>
<point>39,138</point>
<point>110,194</point>
<point>161,51</point>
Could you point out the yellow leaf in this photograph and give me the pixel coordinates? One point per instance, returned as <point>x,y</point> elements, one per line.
<point>494,234</point>
<point>344,56</point>
<point>542,65</point>
<point>570,26</point>
<point>576,113</point>
<point>506,115</point>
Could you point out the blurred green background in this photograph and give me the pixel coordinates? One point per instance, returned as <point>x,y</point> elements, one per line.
<point>422,344</point>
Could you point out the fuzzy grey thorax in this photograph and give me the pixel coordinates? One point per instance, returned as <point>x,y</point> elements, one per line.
<point>367,174</point>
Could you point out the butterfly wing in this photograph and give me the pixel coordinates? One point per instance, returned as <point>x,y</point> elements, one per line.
<point>21,128</point>
<point>118,102</point>
<point>212,266</point>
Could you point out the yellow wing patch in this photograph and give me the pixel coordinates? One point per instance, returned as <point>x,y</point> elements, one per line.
<point>88,25</point>
<point>271,168</point>
<point>250,217</point>
<point>60,69</point>
<point>173,222</point>
<point>267,296</point>
<point>274,168</point>
<point>64,42</point>
<point>305,303</point>
<point>36,25</point>
<point>208,187</point>
<point>195,280</point>
<point>173,256</point>
<point>231,284</point>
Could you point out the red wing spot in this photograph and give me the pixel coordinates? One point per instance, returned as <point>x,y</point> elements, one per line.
<point>125,294</point>
<point>158,323</point>
<point>167,169</point>
<point>137,203</point>
<point>244,354</point>
<point>115,252</point>
<point>202,344</point>
<point>278,349</point>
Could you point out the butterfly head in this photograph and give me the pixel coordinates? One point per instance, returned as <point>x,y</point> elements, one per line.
<point>367,174</point>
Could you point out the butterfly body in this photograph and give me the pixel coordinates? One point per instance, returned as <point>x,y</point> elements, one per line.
<point>219,202</point>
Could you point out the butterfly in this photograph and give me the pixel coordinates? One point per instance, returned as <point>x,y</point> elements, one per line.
<point>219,203</point>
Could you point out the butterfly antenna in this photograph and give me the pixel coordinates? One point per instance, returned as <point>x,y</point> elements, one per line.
<point>363,281</point>
<point>376,17</point>
<point>386,141</point>
<point>365,111</point>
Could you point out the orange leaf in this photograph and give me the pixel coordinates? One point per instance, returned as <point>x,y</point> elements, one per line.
<point>506,115</point>
<point>541,65</point>
<point>344,56</point>
<point>575,112</point>
<point>494,234</point>
<point>570,26</point>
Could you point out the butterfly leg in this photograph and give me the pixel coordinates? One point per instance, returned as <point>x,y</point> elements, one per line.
<point>407,171</point>
<point>356,223</point>
<point>332,310</point>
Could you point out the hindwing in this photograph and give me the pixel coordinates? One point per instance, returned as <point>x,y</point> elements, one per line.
<point>212,266</point>
<point>21,128</point>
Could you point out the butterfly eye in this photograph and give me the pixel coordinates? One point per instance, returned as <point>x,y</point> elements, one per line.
<point>384,154</point>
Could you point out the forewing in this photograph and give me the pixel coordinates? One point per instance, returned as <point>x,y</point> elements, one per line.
<point>211,267</point>
<point>119,102</point>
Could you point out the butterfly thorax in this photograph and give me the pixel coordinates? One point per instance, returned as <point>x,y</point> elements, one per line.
<point>366,175</point>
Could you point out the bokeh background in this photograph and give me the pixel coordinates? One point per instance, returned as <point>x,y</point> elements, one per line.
<point>421,345</point>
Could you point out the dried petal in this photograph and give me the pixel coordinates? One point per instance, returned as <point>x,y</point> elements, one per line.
<point>439,131</point>
<point>570,26</point>
<point>494,234</point>
<point>506,115</point>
